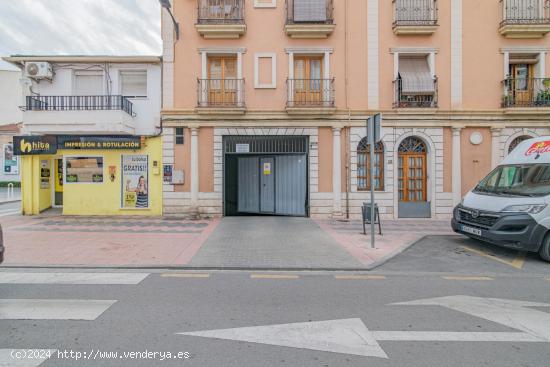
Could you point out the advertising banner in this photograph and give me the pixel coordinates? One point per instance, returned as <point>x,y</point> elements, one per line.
<point>135,182</point>
<point>11,162</point>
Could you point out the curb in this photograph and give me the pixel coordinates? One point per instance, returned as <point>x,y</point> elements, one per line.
<point>9,201</point>
<point>390,256</point>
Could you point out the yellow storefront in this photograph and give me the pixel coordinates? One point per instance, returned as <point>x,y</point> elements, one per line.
<point>96,176</point>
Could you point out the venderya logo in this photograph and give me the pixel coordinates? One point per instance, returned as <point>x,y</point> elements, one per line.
<point>538,148</point>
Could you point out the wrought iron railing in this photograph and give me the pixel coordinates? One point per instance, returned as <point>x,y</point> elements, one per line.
<point>220,12</point>
<point>79,103</point>
<point>415,12</point>
<point>309,11</point>
<point>526,92</point>
<point>525,12</point>
<point>310,92</point>
<point>220,93</point>
<point>415,94</point>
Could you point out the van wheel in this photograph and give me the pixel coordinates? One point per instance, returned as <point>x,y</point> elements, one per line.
<point>544,251</point>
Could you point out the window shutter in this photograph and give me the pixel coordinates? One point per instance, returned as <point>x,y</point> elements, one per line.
<point>134,83</point>
<point>88,84</point>
<point>310,11</point>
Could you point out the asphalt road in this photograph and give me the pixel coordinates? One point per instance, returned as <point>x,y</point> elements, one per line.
<point>151,308</point>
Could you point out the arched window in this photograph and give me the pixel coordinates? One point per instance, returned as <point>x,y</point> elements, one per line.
<point>363,166</point>
<point>516,142</point>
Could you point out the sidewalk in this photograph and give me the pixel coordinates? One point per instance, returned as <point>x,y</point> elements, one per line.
<point>268,243</point>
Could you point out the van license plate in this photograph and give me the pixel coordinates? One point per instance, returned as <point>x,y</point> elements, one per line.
<point>471,230</point>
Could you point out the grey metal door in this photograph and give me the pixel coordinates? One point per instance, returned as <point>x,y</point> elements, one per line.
<point>248,185</point>
<point>267,185</point>
<point>291,184</point>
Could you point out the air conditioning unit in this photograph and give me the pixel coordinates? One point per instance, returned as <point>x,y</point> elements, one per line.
<point>38,70</point>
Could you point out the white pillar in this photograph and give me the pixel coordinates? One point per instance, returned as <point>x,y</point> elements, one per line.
<point>336,173</point>
<point>456,167</point>
<point>194,169</point>
<point>495,146</point>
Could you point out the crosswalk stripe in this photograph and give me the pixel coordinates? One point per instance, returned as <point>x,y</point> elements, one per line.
<point>53,309</point>
<point>24,357</point>
<point>15,212</point>
<point>71,278</point>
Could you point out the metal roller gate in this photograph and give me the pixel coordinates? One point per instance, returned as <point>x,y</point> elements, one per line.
<point>266,175</point>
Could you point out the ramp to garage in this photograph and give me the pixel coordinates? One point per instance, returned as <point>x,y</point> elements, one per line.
<point>272,243</point>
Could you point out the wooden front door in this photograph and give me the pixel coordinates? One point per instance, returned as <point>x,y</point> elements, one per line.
<point>412,177</point>
<point>222,80</point>
<point>522,88</point>
<point>308,85</point>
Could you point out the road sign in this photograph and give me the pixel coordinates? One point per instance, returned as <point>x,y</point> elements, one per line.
<point>351,336</point>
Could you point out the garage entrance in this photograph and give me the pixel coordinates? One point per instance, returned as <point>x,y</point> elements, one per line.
<point>265,175</point>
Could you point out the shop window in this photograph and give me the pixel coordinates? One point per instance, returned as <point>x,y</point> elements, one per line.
<point>363,166</point>
<point>179,135</point>
<point>133,83</point>
<point>84,169</point>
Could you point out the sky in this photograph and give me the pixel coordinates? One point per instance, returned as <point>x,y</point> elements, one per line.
<point>79,27</point>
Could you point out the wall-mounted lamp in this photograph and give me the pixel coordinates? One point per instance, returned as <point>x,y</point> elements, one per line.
<point>166,5</point>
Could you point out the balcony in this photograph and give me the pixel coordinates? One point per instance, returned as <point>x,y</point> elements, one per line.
<point>103,114</point>
<point>526,93</point>
<point>415,93</point>
<point>215,96</point>
<point>309,18</point>
<point>220,18</point>
<point>413,17</point>
<point>525,18</point>
<point>307,96</point>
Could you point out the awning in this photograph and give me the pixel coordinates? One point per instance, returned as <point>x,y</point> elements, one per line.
<point>416,77</point>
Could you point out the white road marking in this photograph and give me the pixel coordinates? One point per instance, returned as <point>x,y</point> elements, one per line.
<point>24,357</point>
<point>15,212</point>
<point>347,336</point>
<point>71,278</point>
<point>52,309</point>
<point>452,336</point>
<point>351,336</point>
<point>513,314</point>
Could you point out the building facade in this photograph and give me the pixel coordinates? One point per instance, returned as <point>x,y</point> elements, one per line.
<point>10,120</point>
<point>91,134</point>
<point>265,102</point>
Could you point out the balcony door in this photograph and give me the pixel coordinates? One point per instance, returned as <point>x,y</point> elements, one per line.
<point>522,83</point>
<point>222,80</point>
<point>308,83</point>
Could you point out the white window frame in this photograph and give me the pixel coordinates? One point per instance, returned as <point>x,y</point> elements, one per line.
<point>313,51</point>
<point>273,4</point>
<point>265,55</point>
<point>216,51</point>
<point>122,71</point>
<point>96,72</point>
<point>540,69</point>
<point>429,53</point>
<point>82,156</point>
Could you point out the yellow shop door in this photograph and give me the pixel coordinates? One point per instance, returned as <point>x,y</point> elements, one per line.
<point>58,187</point>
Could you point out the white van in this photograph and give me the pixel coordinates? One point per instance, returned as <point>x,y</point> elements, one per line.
<point>511,206</point>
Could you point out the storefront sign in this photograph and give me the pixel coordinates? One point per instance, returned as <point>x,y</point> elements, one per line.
<point>135,181</point>
<point>11,162</point>
<point>167,173</point>
<point>34,145</point>
<point>98,142</point>
<point>49,144</point>
<point>45,174</point>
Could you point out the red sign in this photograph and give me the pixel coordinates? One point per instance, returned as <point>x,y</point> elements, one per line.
<point>538,148</point>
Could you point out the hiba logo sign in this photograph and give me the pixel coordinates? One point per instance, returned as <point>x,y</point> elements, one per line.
<point>33,145</point>
<point>28,147</point>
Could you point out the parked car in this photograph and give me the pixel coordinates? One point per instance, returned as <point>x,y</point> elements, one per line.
<point>511,206</point>
<point>1,245</point>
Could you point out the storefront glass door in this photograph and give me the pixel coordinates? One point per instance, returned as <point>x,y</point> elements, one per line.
<point>58,186</point>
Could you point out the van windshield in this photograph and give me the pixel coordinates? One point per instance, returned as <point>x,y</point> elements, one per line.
<point>517,180</point>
